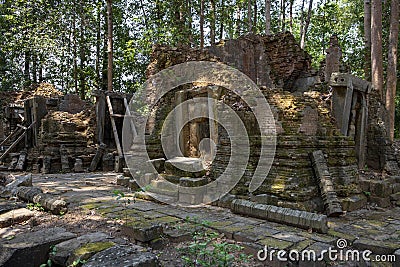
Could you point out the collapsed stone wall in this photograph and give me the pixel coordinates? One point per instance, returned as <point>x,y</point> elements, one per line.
<point>64,137</point>
<point>272,61</point>
<point>303,125</point>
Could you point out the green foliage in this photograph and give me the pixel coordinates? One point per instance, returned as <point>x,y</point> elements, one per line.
<point>208,249</point>
<point>64,42</point>
<point>34,206</point>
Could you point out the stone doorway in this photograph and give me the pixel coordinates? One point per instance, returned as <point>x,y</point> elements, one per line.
<point>196,123</point>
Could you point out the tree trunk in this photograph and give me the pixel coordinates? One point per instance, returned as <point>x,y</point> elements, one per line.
<point>249,16</point>
<point>291,16</point>
<point>212,23</point>
<point>267,17</point>
<point>238,23</point>
<point>283,15</point>
<point>376,47</point>
<point>98,43</point>
<point>190,21</point>
<point>75,67</point>
<point>302,20</point>
<point>221,21</point>
<point>34,68</point>
<point>391,81</point>
<point>306,24</point>
<point>110,46</point>
<point>201,23</point>
<point>255,17</point>
<point>26,66</point>
<point>367,39</point>
<point>82,55</point>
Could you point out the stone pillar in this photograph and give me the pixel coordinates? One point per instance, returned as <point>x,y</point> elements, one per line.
<point>213,119</point>
<point>179,140</point>
<point>333,57</point>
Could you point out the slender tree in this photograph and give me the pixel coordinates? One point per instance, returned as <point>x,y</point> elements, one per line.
<point>201,23</point>
<point>110,46</point>
<point>249,16</point>
<point>267,17</point>
<point>391,81</point>
<point>283,15</point>
<point>212,23</point>
<point>376,47</point>
<point>367,39</point>
<point>306,24</point>
<point>291,15</point>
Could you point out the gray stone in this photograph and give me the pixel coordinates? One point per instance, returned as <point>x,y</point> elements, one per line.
<point>395,197</point>
<point>172,178</point>
<point>133,185</point>
<point>7,206</point>
<point>192,182</point>
<point>397,254</point>
<point>302,219</point>
<point>382,202</point>
<point>183,166</point>
<point>332,204</point>
<point>31,249</point>
<point>127,172</point>
<point>123,256</point>
<point>48,202</point>
<point>377,247</point>
<point>15,216</point>
<point>72,103</point>
<point>121,180</point>
<point>143,232</point>
<point>119,164</point>
<point>25,180</point>
<point>178,235</point>
<point>158,164</point>
<point>78,166</point>
<point>226,201</point>
<point>64,251</point>
<point>354,202</point>
<point>265,199</point>
<point>21,164</point>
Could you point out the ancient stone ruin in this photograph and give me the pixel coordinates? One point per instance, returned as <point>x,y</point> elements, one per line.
<point>332,156</point>
<point>329,127</point>
<point>326,131</point>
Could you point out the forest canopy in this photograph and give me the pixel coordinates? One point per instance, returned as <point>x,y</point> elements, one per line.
<point>65,42</point>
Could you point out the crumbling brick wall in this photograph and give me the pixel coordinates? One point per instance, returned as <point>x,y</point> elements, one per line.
<point>272,61</point>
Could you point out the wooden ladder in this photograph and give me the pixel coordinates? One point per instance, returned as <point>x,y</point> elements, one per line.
<point>114,127</point>
<point>20,132</point>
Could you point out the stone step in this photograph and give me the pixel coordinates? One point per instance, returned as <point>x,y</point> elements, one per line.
<point>185,167</point>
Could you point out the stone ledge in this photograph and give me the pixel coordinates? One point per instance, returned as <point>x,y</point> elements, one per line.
<point>301,219</point>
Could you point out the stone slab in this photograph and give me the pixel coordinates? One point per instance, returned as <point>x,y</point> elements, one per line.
<point>65,249</point>
<point>15,216</point>
<point>31,249</point>
<point>123,256</point>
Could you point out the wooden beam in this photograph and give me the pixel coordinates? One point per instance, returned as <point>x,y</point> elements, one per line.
<point>114,127</point>
<point>11,135</point>
<point>13,145</point>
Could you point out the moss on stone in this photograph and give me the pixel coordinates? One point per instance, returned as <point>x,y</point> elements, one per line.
<point>91,206</point>
<point>271,242</point>
<point>348,237</point>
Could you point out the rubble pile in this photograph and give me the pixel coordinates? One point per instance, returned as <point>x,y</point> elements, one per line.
<point>64,138</point>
